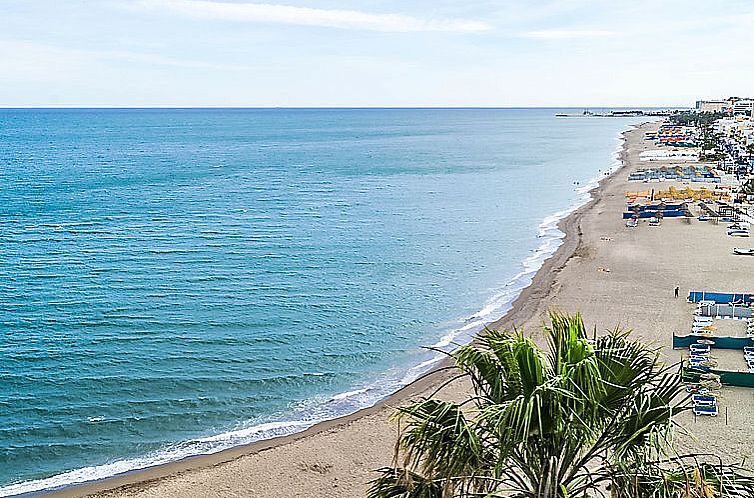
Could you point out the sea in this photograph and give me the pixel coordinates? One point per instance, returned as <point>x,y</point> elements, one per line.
<point>175,282</point>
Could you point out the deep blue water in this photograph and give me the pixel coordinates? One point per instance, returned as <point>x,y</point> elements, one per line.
<point>179,281</point>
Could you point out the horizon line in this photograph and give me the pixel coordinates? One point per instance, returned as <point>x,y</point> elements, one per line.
<point>210,107</point>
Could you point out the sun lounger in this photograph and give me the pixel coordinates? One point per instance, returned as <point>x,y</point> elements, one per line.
<point>705,410</point>
<point>743,252</point>
<point>711,384</point>
<point>702,332</point>
<point>704,400</point>
<point>701,346</point>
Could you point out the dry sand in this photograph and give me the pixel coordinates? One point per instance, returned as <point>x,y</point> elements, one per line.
<point>336,459</point>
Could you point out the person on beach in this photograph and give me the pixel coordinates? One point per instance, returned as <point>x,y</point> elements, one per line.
<point>676,291</point>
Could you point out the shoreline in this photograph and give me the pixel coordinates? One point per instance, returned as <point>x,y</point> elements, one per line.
<point>522,309</point>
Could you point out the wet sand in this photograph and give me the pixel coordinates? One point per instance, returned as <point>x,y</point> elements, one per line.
<point>336,459</point>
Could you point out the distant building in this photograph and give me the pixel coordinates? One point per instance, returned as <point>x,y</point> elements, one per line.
<point>734,105</point>
<point>712,105</point>
<point>743,106</point>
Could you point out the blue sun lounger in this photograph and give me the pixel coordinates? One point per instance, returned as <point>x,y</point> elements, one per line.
<point>710,410</point>
<point>704,400</point>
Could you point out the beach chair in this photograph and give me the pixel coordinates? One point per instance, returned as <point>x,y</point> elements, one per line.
<point>710,410</point>
<point>700,345</point>
<point>711,384</point>
<point>704,399</point>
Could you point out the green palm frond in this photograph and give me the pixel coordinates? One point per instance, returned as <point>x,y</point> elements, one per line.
<point>401,483</point>
<point>439,440</point>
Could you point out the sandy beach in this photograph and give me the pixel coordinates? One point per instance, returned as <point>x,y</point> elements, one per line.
<point>336,458</point>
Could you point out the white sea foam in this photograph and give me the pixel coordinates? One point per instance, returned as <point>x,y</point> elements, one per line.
<point>347,402</point>
<point>348,394</point>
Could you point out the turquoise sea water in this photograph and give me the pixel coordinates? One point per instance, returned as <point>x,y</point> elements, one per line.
<point>176,282</point>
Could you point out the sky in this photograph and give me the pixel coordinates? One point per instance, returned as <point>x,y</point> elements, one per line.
<point>379,53</point>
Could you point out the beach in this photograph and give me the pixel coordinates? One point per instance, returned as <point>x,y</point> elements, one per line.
<point>612,274</point>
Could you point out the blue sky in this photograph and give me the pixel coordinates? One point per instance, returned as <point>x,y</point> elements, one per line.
<point>373,53</point>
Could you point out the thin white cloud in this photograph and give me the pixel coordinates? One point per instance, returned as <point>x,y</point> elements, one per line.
<point>305,16</point>
<point>563,34</point>
<point>27,61</point>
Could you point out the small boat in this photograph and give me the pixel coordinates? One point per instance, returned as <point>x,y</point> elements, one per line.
<point>738,233</point>
<point>703,218</point>
<point>743,251</point>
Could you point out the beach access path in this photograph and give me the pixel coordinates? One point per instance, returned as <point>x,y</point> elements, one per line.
<point>336,459</point>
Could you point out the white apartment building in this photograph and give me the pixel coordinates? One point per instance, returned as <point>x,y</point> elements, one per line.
<point>743,106</point>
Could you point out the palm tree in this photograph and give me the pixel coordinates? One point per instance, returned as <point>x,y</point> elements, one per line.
<point>588,415</point>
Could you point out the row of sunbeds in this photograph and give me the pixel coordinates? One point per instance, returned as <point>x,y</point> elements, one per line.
<point>703,401</point>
